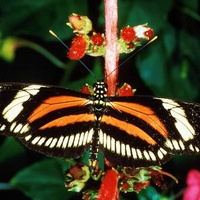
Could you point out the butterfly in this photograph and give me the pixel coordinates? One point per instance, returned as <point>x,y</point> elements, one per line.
<point>135,131</point>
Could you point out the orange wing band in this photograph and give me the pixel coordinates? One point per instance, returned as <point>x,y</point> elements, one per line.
<point>55,103</point>
<point>144,113</point>
<point>129,128</point>
<point>70,119</point>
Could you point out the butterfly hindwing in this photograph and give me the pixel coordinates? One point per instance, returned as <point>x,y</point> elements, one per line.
<point>43,118</point>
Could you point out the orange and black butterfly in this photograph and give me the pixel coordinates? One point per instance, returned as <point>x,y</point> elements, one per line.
<point>129,131</point>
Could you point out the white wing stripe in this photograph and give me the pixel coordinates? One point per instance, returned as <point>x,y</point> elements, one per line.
<point>185,129</point>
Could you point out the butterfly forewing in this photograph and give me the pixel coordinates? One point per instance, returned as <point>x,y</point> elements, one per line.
<point>51,120</point>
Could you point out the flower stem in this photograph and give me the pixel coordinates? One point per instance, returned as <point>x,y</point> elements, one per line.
<point>111,56</point>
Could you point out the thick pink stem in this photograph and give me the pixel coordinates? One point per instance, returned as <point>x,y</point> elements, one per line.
<point>112,56</point>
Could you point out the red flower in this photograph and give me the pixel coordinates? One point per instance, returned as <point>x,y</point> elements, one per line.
<point>149,33</point>
<point>140,186</point>
<point>125,90</point>
<point>97,39</point>
<point>109,190</point>
<point>78,48</point>
<point>87,89</point>
<point>128,34</point>
<point>192,191</point>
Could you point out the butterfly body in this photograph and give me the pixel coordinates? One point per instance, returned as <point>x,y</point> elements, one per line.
<point>131,131</point>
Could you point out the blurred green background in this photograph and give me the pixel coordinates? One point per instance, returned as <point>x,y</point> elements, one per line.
<point>169,67</point>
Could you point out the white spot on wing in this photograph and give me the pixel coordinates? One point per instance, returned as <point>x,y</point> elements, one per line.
<point>181,144</point>
<point>48,142</point>
<point>35,140</point>
<point>104,140</point>
<point>160,154</point>
<point>76,140</point>
<point>41,141</point>
<point>175,144</point>
<point>139,153</point>
<point>71,140</point>
<point>128,150</point>
<point>168,144</point>
<point>64,144</point>
<point>153,157</point>
<point>25,129</point>
<point>191,147</point>
<point>163,151</point>
<point>100,137</point>
<point>185,129</point>
<point>194,148</point>
<point>118,147</point>
<point>81,139</point>
<point>134,153</point>
<point>53,143</point>
<point>113,144</point>
<point>123,149</point>
<point>28,137</point>
<point>12,110</point>
<point>17,128</point>
<point>85,138</point>
<point>12,126</point>
<point>146,155</point>
<point>3,127</point>
<point>89,139</point>
<point>108,142</point>
<point>60,141</point>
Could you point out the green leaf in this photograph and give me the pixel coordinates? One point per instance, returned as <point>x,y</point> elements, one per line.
<point>38,16</point>
<point>10,148</point>
<point>150,193</point>
<point>43,180</point>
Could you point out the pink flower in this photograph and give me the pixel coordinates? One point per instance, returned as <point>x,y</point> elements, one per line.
<point>192,191</point>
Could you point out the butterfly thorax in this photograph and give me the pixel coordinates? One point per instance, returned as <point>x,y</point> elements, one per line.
<point>100,98</point>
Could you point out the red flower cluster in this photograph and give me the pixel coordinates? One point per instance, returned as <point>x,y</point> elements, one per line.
<point>107,185</point>
<point>91,43</point>
<point>131,37</point>
<point>88,41</point>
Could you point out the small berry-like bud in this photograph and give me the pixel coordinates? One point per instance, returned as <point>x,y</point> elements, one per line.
<point>125,90</point>
<point>143,31</point>
<point>128,34</point>
<point>81,24</point>
<point>78,48</point>
<point>97,39</point>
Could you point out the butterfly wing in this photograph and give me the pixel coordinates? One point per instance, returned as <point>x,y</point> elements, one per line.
<point>144,131</point>
<point>51,120</point>
<point>133,131</point>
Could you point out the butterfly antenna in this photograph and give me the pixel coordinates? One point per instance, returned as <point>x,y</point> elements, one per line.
<point>152,40</point>
<point>52,33</point>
